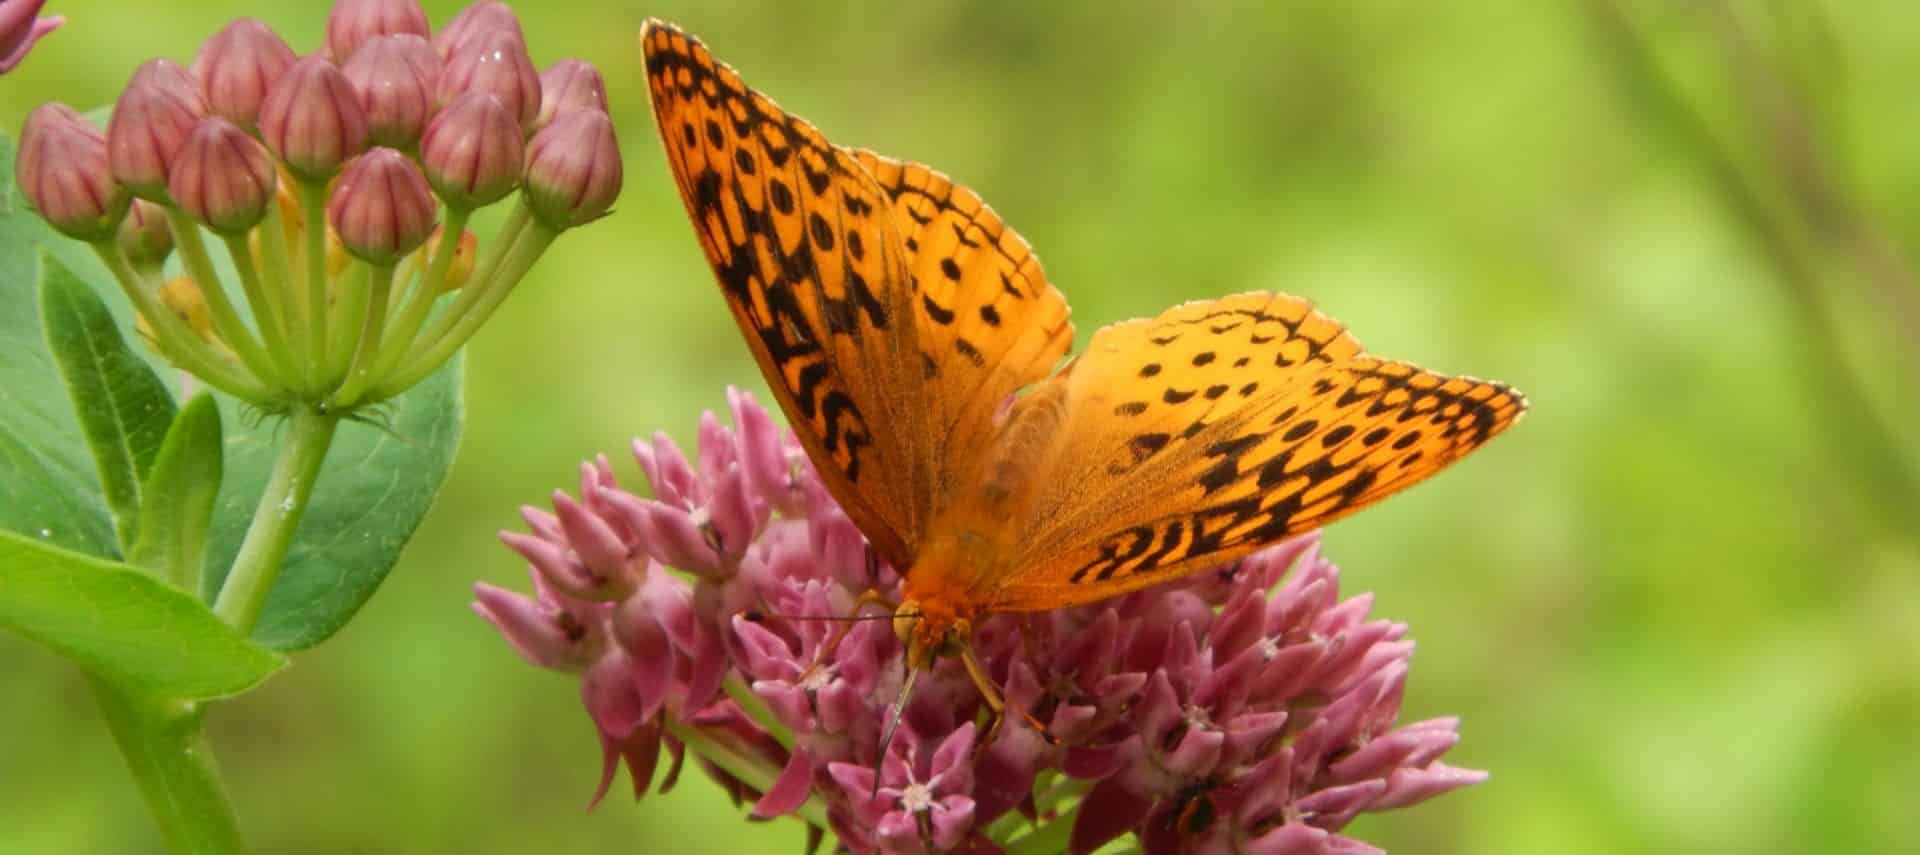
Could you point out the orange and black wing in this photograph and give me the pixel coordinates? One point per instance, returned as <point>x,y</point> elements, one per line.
<point>1221,427</point>
<point>889,308</point>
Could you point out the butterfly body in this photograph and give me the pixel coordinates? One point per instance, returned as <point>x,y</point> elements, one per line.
<point>915,345</point>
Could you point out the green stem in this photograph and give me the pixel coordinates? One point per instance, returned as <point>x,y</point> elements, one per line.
<point>483,274</point>
<point>360,373</point>
<point>313,204</point>
<point>458,324</point>
<point>165,744</point>
<point>264,550</point>
<point>757,709</point>
<point>1048,839</point>
<point>266,308</point>
<point>756,773</point>
<point>193,253</point>
<point>349,313</point>
<point>400,334</point>
<point>178,343</point>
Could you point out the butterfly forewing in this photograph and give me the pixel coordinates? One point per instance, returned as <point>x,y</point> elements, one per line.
<point>890,309</point>
<point>800,238</point>
<point>1220,427</point>
<point>989,322</point>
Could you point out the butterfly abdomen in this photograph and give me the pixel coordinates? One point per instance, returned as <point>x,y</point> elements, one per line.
<point>1030,426</point>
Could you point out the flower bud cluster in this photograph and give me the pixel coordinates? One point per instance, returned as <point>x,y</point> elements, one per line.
<point>1244,709</point>
<point>328,175</point>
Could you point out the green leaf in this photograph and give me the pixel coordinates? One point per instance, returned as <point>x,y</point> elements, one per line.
<point>176,511</point>
<point>124,625</point>
<point>123,407</point>
<point>376,486</point>
<point>49,487</point>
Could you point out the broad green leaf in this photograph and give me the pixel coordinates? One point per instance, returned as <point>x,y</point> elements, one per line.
<point>49,487</point>
<point>123,407</point>
<point>176,509</point>
<point>374,489</point>
<point>117,621</point>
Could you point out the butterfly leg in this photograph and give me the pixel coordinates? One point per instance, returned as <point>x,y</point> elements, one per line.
<point>996,702</point>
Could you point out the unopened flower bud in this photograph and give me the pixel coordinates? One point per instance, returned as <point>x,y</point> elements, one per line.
<point>394,76</point>
<point>237,66</point>
<point>20,27</point>
<point>496,63</point>
<point>62,169</point>
<point>355,22</point>
<point>570,84</point>
<point>461,266</point>
<point>145,236</point>
<point>222,177</point>
<point>473,151</point>
<point>382,207</point>
<point>313,120</point>
<point>573,169</point>
<point>475,20</point>
<point>152,119</point>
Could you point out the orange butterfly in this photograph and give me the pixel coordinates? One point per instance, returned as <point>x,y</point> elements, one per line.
<point>911,338</point>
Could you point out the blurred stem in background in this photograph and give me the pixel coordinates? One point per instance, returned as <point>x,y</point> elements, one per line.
<point>1776,168</point>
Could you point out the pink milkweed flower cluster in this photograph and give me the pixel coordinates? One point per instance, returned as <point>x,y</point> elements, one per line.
<point>1246,709</point>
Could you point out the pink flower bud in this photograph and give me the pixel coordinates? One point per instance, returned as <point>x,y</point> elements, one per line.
<point>156,111</point>
<point>62,169</point>
<point>237,66</point>
<point>355,22</point>
<point>475,20</point>
<point>313,119</point>
<point>472,151</point>
<point>222,177</point>
<point>20,28</point>
<point>145,236</point>
<point>394,77</point>
<point>570,84</point>
<point>382,207</point>
<point>494,62</point>
<point>573,169</point>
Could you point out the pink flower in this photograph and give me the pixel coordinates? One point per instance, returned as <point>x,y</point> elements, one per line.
<point>1245,709</point>
<point>20,27</point>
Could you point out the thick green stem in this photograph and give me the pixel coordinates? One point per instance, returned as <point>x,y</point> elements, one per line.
<point>165,744</point>
<point>233,330</point>
<point>458,325</point>
<point>264,550</point>
<point>755,772</point>
<point>172,336</point>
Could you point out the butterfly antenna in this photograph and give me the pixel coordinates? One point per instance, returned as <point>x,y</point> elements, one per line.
<point>756,616</point>
<point>893,721</point>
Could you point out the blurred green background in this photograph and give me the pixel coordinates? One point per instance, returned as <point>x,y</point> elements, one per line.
<point>1678,607</point>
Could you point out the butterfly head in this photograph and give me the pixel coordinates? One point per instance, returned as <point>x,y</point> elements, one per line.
<point>930,629</point>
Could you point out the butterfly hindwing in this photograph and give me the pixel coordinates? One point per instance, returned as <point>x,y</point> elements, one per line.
<point>1221,427</point>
